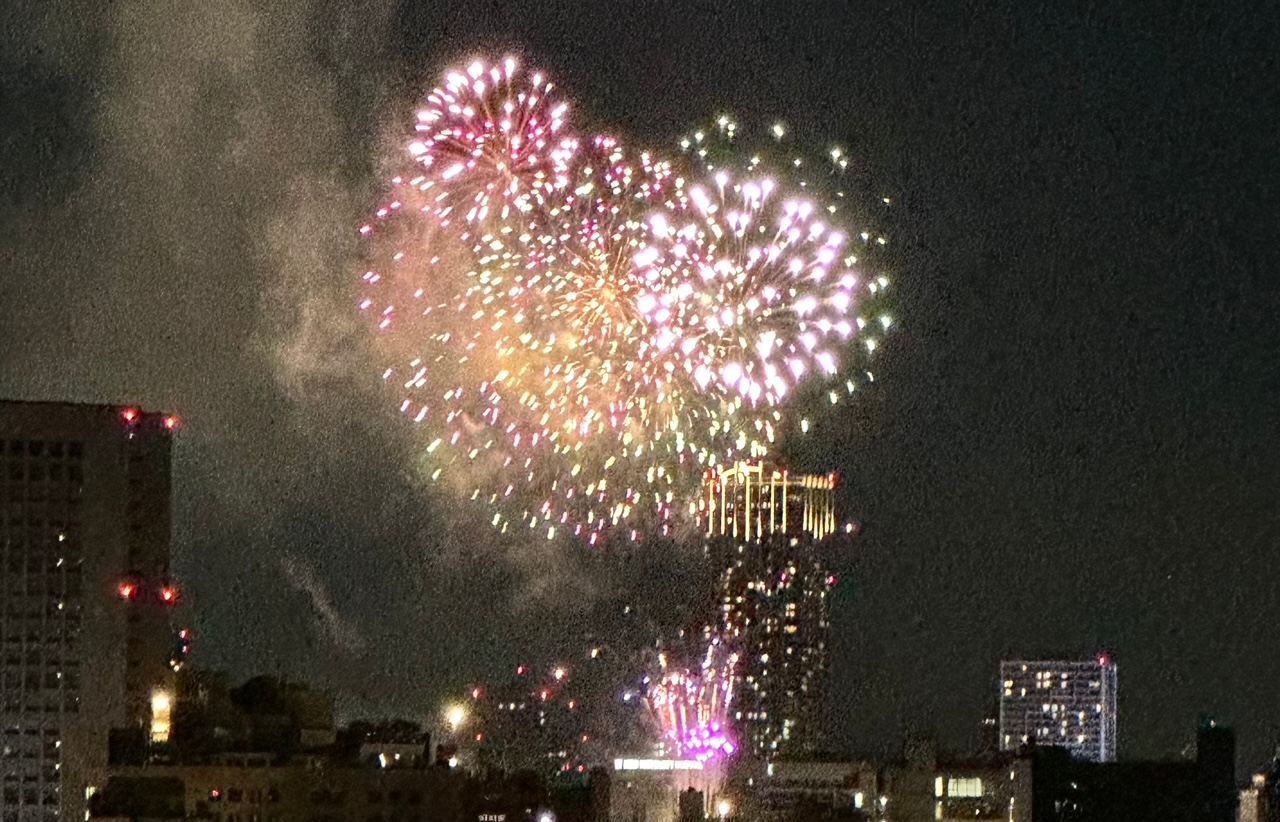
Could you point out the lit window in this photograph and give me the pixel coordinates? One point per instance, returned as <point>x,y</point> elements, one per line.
<point>161,707</point>
<point>965,786</point>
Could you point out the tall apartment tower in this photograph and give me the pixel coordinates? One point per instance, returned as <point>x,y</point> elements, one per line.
<point>1062,703</point>
<point>771,532</point>
<point>85,639</point>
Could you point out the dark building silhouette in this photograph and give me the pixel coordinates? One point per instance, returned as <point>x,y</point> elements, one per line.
<point>692,806</point>
<point>318,788</point>
<point>1199,790</point>
<point>265,715</point>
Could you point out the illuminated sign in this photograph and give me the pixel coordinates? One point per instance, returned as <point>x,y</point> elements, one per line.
<point>657,765</point>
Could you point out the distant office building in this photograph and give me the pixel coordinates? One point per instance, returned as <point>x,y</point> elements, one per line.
<point>87,654</point>
<point>772,532</point>
<point>1068,704</point>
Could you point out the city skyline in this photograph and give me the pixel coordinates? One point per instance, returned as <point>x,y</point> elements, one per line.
<point>1067,447</point>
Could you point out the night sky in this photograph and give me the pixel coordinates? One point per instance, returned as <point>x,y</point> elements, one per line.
<point>1071,445</point>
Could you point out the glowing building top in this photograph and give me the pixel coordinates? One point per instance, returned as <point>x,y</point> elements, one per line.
<point>772,532</point>
<point>750,500</point>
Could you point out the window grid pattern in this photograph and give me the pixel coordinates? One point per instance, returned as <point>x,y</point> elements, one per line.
<point>1067,704</point>
<point>41,579</point>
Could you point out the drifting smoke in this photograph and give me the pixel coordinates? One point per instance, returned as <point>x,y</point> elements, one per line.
<point>339,630</point>
<point>178,185</point>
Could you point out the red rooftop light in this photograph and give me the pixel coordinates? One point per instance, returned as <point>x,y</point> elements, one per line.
<point>129,414</point>
<point>168,594</point>
<point>171,422</point>
<point>127,589</point>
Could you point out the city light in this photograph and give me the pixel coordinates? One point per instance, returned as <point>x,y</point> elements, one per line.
<point>724,808</point>
<point>657,765</point>
<point>161,710</point>
<point>456,715</point>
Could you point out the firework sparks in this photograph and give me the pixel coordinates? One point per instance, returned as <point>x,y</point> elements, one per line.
<point>488,138</point>
<point>581,328</point>
<point>691,707</point>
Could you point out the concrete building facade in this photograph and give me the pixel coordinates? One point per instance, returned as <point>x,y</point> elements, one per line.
<point>85,639</point>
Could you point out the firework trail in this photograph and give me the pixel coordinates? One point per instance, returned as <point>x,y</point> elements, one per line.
<point>691,705</point>
<point>582,328</point>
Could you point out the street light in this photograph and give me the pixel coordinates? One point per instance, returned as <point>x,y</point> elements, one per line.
<point>723,808</point>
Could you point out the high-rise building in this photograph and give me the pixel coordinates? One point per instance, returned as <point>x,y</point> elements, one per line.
<point>86,648</point>
<point>771,532</point>
<point>1062,703</point>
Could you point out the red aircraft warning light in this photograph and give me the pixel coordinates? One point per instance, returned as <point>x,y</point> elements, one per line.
<point>168,594</point>
<point>170,422</point>
<point>127,590</point>
<point>129,414</point>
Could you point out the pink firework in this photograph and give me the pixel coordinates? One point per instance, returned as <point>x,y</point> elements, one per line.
<point>691,706</point>
<point>490,133</point>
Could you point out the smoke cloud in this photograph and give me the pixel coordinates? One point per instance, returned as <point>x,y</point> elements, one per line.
<point>180,190</point>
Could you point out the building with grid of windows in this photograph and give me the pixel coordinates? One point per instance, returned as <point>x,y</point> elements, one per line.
<point>86,648</point>
<point>772,531</point>
<point>1061,703</point>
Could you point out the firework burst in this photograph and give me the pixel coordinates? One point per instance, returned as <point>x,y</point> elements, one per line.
<point>691,705</point>
<point>489,138</point>
<point>581,328</point>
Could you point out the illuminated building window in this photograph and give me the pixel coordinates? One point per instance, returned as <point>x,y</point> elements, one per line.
<point>161,708</point>
<point>965,787</point>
